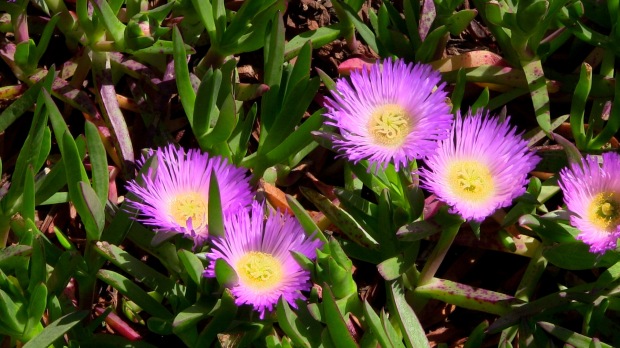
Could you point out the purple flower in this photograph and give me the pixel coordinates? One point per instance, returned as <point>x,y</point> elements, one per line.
<point>259,250</point>
<point>481,167</point>
<point>174,197</point>
<point>592,196</point>
<point>390,113</point>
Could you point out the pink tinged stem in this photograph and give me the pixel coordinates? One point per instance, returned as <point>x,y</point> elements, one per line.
<point>20,24</point>
<point>106,96</point>
<point>118,325</point>
<point>427,17</point>
<point>468,297</point>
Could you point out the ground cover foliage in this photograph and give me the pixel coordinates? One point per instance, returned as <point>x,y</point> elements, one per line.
<point>309,173</point>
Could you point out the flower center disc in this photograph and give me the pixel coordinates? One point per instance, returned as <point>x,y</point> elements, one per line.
<point>389,125</point>
<point>604,211</point>
<point>189,205</point>
<point>470,180</point>
<point>259,271</point>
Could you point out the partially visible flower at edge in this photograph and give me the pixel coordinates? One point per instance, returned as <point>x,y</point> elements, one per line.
<point>390,113</point>
<point>481,167</point>
<point>174,198</point>
<point>259,250</point>
<point>592,196</point>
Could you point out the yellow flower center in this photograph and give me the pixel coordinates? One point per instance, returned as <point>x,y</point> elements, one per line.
<point>604,211</point>
<point>259,271</point>
<point>471,180</point>
<point>189,205</point>
<point>389,125</point>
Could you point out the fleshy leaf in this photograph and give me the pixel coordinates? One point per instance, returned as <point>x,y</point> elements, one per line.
<point>56,329</point>
<point>134,293</point>
<point>412,330</point>
<point>192,265</point>
<point>336,321</point>
<point>342,219</point>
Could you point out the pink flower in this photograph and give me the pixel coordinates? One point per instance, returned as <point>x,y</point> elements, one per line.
<point>259,250</point>
<point>592,195</point>
<point>174,197</point>
<point>481,167</point>
<point>390,113</point>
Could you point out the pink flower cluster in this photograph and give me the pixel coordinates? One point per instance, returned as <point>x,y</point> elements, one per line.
<point>394,113</point>
<point>173,197</point>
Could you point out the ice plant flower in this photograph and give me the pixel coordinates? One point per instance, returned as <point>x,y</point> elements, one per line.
<point>259,251</point>
<point>174,197</point>
<point>390,113</point>
<point>482,166</point>
<point>592,196</point>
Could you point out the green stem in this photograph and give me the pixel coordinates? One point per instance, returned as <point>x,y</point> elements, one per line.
<point>86,291</point>
<point>347,27</point>
<point>213,59</point>
<point>67,24</point>
<point>526,287</point>
<point>56,6</point>
<point>32,333</point>
<point>4,230</point>
<point>87,282</point>
<point>596,120</point>
<point>534,271</point>
<point>451,228</point>
<point>258,164</point>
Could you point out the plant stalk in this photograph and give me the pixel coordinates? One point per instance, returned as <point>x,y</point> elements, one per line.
<point>439,253</point>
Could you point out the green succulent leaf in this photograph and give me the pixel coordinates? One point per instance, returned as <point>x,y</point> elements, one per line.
<point>342,219</point>
<point>184,84</point>
<point>530,17</point>
<point>136,268</point>
<point>577,256</point>
<point>459,21</point>
<point>216,220</point>
<point>190,316</point>
<point>578,105</point>
<point>223,316</point>
<point>106,14</point>
<point>56,329</point>
<point>292,326</point>
<point>134,293</point>
<point>376,326</point>
<point>477,335</point>
<point>36,309</point>
<point>192,264</point>
<point>224,273</point>
<point>13,251</point>
<point>336,321</point>
<point>309,226</point>
<point>570,337</point>
<point>99,162</point>
<point>409,324</point>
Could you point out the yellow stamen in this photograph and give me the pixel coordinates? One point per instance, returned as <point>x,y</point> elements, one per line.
<point>389,125</point>
<point>259,271</point>
<point>189,205</point>
<point>471,180</point>
<point>604,211</point>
